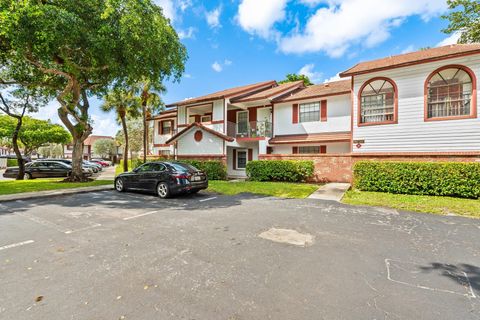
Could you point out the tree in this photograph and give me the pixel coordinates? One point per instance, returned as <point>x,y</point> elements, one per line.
<point>291,77</point>
<point>123,102</point>
<point>135,136</point>
<point>105,148</point>
<point>15,104</point>
<point>53,150</point>
<point>151,103</point>
<point>34,133</point>
<point>465,19</point>
<point>77,49</point>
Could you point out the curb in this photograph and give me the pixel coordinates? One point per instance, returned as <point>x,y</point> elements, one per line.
<point>53,193</point>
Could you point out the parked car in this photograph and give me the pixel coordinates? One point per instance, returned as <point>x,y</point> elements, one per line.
<point>90,167</point>
<point>103,163</point>
<point>43,169</point>
<point>164,178</point>
<point>95,166</point>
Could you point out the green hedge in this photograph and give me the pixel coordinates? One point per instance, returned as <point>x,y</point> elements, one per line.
<point>280,170</point>
<point>453,179</point>
<point>12,163</point>
<point>215,170</point>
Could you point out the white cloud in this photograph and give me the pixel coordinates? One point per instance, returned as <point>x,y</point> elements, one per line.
<point>335,78</point>
<point>217,67</point>
<point>187,34</point>
<point>453,39</point>
<point>213,17</point>
<point>105,125</point>
<point>408,49</point>
<point>184,4</point>
<point>259,17</point>
<point>336,25</point>
<point>187,76</point>
<point>168,8</point>
<point>227,62</point>
<point>308,70</point>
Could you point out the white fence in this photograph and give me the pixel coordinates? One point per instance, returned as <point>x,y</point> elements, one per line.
<point>3,163</point>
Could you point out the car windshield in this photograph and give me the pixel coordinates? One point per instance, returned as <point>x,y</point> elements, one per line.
<point>182,166</point>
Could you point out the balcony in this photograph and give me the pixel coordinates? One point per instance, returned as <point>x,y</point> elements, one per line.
<point>252,129</point>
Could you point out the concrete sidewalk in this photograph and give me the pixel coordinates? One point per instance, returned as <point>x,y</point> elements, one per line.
<point>52,193</point>
<point>331,191</point>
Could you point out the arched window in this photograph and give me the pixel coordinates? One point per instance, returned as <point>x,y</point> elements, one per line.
<point>378,102</point>
<point>450,93</point>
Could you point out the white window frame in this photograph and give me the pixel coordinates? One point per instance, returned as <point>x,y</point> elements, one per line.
<point>309,105</point>
<point>238,115</point>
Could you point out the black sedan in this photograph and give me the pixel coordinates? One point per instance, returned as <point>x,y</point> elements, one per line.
<point>42,169</point>
<point>164,178</point>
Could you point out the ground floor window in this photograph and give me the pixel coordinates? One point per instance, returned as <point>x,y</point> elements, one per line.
<point>163,152</point>
<point>312,149</point>
<point>241,159</point>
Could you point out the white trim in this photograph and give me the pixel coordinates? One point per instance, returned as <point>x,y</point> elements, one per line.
<point>246,159</point>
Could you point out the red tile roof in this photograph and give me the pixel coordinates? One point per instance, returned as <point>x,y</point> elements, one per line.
<point>413,58</point>
<point>272,92</point>
<point>227,93</point>
<point>319,90</point>
<point>311,138</point>
<point>200,126</point>
<point>91,139</point>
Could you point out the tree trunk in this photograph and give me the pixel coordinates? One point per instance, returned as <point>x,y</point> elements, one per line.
<point>144,114</point>
<point>125,150</point>
<point>21,163</point>
<point>77,160</point>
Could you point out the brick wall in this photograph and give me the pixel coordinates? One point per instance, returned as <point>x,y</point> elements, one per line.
<point>339,167</point>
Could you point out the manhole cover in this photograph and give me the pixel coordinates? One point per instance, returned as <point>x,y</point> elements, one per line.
<point>287,236</point>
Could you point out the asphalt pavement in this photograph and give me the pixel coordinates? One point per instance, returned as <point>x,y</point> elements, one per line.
<point>108,255</point>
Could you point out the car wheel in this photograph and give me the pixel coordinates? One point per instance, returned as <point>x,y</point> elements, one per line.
<point>119,185</point>
<point>162,190</point>
<point>27,176</point>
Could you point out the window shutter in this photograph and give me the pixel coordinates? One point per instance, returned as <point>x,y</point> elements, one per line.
<point>160,127</point>
<point>295,113</point>
<point>323,149</point>
<point>250,154</point>
<point>323,115</point>
<point>269,150</point>
<point>252,114</point>
<point>172,123</point>
<point>294,150</point>
<point>234,159</point>
<point>232,116</point>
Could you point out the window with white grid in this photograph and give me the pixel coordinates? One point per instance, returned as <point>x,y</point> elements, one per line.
<point>309,112</point>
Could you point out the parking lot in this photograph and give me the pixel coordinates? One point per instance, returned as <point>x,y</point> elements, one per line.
<point>108,255</point>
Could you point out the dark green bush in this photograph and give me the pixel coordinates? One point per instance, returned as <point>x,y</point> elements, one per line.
<point>280,170</point>
<point>215,170</point>
<point>453,179</point>
<point>12,163</point>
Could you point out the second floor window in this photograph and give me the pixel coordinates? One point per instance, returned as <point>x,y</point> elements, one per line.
<point>449,93</point>
<point>309,112</point>
<point>166,127</point>
<point>377,102</point>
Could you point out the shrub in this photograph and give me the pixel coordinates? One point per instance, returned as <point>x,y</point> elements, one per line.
<point>12,163</point>
<point>215,170</point>
<point>453,179</point>
<point>280,170</point>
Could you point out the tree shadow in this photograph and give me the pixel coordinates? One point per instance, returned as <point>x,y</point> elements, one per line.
<point>132,200</point>
<point>457,273</point>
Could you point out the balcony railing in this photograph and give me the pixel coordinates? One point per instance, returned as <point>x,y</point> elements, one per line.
<point>252,129</point>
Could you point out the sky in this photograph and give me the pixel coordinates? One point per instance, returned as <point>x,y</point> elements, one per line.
<point>238,42</point>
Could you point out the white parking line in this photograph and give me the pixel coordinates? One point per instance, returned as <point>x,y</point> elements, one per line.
<point>141,215</point>
<point>208,199</point>
<point>13,245</point>
<point>83,229</point>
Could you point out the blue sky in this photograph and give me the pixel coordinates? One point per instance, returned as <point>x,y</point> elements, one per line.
<point>237,42</point>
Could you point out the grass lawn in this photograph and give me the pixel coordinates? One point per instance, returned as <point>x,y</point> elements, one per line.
<point>276,189</point>
<point>427,204</point>
<point>14,186</point>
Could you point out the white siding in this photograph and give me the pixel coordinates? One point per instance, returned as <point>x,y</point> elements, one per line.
<point>210,144</point>
<point>245,146</point>
<point>181,115</point>
<point>161,139</point>
<point>338,117</point>
<point>412,133</point>
<point>218,110</point>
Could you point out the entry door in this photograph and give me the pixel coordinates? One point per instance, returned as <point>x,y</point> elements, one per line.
<point>242,123</point>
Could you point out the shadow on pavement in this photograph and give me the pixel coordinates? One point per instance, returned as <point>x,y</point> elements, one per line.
<point>457,273</point>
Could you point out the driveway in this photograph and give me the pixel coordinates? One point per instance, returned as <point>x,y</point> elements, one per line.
<point>107,255</point>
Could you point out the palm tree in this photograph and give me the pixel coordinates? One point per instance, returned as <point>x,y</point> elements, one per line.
<point>151,103</point>
<point>123,102</point>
